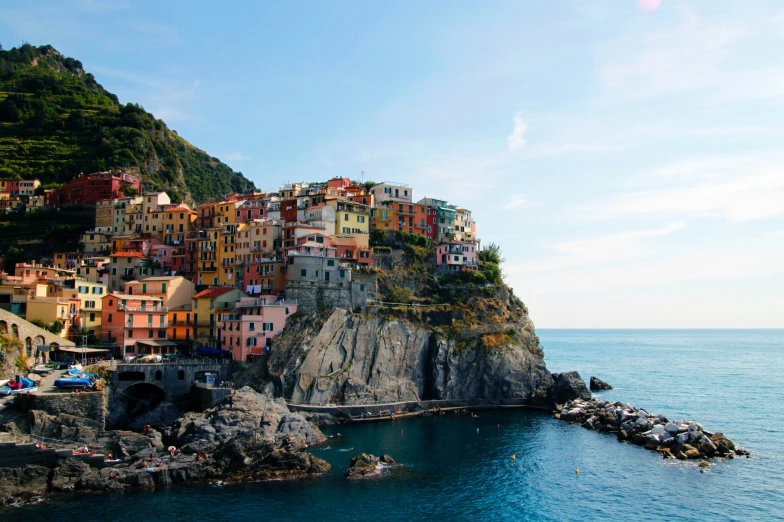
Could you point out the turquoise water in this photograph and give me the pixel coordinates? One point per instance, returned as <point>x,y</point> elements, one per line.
<point>730,380</point>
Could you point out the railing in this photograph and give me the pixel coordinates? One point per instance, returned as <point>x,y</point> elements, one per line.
<point>208,269</point>
<point>126,308</point>
<point>182,323</point>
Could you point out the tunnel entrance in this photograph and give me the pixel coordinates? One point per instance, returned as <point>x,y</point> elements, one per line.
<point>142,398</point>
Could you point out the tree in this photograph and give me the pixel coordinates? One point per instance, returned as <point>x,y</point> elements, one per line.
<point>378,237</point>
<point>9,111</point>
<point>399,294</point>
<point>491,254</point>
<point>56,327</point>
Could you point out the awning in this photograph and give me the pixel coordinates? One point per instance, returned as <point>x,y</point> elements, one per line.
<point>84,350</point>
<point>156,343</point>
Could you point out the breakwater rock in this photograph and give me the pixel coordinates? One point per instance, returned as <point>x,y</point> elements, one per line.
<point>681,439</point>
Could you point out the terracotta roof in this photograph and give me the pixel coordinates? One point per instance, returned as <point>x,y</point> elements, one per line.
<point>215,291</point>
<point>127,254</point>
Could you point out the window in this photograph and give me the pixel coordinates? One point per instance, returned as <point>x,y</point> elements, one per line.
<point>92,316</point>
<point>109,318</point>
<point>319,239</point>
<point>330,262</point>
<point>345,217</point>
<point>162,334</point>
<point>252,327</point>
<point>149,332</point>
<point>163,288</point>
<point>267,327</point>
<point>130,334</point>
<point>303,273</point>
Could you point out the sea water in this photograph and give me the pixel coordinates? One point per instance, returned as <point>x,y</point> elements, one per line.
<point>461,468</point>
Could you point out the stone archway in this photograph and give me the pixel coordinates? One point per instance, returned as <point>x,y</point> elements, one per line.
<point>15,331</point>
<point>29,353</point>
<point>3,327</point>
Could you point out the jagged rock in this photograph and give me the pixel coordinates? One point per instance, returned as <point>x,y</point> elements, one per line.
<point>21,484</point>
<point>375,360</point>
<point>386,459</point>
<point>363,465</point>
<point>567,386</point>
<point>66,476</point>
<point>245,411</point>
<point>596,384</point>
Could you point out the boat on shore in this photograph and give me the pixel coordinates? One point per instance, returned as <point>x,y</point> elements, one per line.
<point>42,369</point>
<point>21,385</point>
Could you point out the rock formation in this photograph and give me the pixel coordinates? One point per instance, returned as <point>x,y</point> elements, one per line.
<point>366,465</point>
<point>681,439</point>
<point>365,360</point>
<point>566,387</point>
<point>248,437</point>
<point>597,384</point>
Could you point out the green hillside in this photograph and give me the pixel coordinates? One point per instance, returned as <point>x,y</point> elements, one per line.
<point>56,121</point>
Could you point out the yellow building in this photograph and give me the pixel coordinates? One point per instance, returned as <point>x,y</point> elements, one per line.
<point>208,254</point>
<point>350,217</point>
<point>50,309</point>
<point>180,323</point>
<point>383,218</point>
<point>177,223</point>
<point>208,307</point>
<point>90,297</point>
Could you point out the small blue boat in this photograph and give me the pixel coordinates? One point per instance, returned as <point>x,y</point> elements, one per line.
<point>73,381</point>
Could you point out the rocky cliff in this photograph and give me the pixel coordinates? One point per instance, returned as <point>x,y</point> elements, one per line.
<point>381,358</point>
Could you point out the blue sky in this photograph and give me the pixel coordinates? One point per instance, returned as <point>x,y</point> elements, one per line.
<point>626,154</point>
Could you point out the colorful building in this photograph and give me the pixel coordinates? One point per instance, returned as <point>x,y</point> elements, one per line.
<point>88,189</point>
<point>455,256</point>
<point>208,307</point>
<point>137,324</point>
<point>249,330</point>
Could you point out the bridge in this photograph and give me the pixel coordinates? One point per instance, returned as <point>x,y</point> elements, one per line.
<point>30,335</point>
<point>172,378</point>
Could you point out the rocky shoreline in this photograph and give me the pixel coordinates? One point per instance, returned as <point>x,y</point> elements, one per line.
<point>679,439</point>
<point>249,437</point>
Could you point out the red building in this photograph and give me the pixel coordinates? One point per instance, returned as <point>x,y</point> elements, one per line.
<point>91,188</point>
<point>288,210</point>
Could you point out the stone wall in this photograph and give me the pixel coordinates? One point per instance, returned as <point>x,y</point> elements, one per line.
<point>175,378</point>
<point>387,260</point>
<point>312,297</point>
<point>90,405</point>
<point>370,280</point>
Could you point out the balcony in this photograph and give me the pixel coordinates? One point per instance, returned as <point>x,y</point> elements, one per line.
<point>211,268</point>
<point>182,323</point>
<point>128,277</point>
<point>141,309</point>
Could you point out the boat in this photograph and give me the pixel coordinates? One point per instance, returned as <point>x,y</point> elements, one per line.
<point>73,372</point>
<point>3,382</point>
<point>42,369</point>
<point>73,381</point>
<point>75,366</point>
<point>21,385</point>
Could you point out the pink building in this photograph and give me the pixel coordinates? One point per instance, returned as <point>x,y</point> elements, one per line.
<point>453,257</point>
<point>249,331</point>
<point>136,323</point>
<point>163,255</point>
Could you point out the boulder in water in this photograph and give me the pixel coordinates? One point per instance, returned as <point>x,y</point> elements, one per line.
<point>567,386</point>
<point>597,384</point>
<point>363,465</point>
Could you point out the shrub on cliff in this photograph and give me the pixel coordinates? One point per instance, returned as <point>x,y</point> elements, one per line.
<point>399,294</point>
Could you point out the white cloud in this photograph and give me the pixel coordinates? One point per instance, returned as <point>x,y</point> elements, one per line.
<point>649,5</point>
<point>744,197</point>
<point>516,140</point>
<point>236,156</point>
<point>515,201</point>
<point>598,249</point>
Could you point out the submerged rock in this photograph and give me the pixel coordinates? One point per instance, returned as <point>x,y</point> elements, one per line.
<point>597,384</point>
<point>362,466</point>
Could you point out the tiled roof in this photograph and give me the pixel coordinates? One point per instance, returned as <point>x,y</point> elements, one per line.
<point>215,291</point>
<point>128,254</point>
